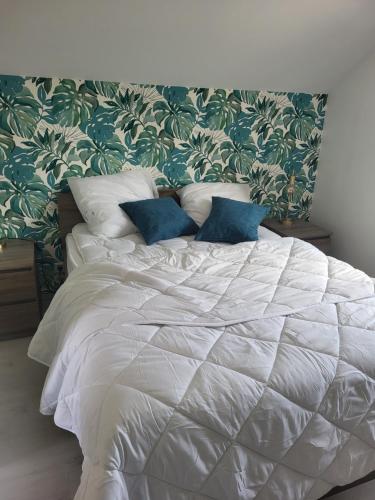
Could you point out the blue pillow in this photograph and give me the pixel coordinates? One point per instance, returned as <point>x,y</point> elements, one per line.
<point>232,221</point>
<point>159,219</point>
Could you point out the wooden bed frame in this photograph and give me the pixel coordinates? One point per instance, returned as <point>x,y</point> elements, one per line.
<point>69,216</point>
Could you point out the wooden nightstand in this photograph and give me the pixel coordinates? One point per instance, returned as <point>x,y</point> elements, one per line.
<point>303,230</point>
<point>19,303</point>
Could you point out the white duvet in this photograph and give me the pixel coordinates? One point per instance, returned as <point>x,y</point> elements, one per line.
<point>213,371</point>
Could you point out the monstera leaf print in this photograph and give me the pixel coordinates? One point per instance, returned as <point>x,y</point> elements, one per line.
<point>106,89</point>
<point>246,96</point>
<point>175,169</point>
<point>311,148</point>
<point>102,157</point>
<point>300,118</point>
<point>19,111</point>
<point>294,162</point>
<point>276,149</point>
<point>177,119</point>
<point>202,153</point>
<point>6,144</point>
<point>262,186</point>
<point>49,151</point>
<point>11,223</point>
<point>52,129</point>
<point>46,83</point>
<point>46,229</point>
<point>27,193</point>
<point>128,109</point>
<point>75,170</point>
<point>239,157</point>
<point>100,126</point>
<point>263,115</point>
<point>240,130</point>
<point>176,95</point>
<point>221,110</point>
<point>219,173</point>
<point>153,148</point>
<point>72,103</point>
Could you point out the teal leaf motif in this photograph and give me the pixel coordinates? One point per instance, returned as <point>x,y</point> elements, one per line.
<point>175,169</point>
<point>311,150</point>
<point>100,126</point>
<point>202,153</point>
<point>28,197</point>
<point>239,157</point>
<point>45,229</point>
<point>300,118</point>
<point>49,151</point>
<point>106,89</point>
<point>72,104</point>
<point>45,83</point>
<point>11,85</point>
<point>174,95</point>
<point>262,186</point>
<point>246,96</point>
<point>11,224</point>
<point>294,162</point>
<point>52,129</point>
<point>202,95</point>
<point>130,109</point>
<point>264,116</point>
<point>153,148</point>
<point>19,113</point>
<point>277,148</point>
<point>6,144</point>
<point>240,130</point>
<point>220,173</point>
<point>177,119</point>
<point>221,110</point>
<point>102,157</point>
<point>75,170</point>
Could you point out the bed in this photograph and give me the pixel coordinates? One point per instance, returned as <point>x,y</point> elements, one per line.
<point>199,371</point>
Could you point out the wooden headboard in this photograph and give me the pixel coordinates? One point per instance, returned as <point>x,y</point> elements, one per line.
<point>69,215</point>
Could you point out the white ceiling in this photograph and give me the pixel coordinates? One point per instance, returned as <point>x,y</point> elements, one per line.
<point>305,45</point>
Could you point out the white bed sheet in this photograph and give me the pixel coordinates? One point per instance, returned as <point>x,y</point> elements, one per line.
<point>82,237</point>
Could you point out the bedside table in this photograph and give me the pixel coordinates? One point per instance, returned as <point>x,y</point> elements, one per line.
<point>19,303</point>
<point>303,230</point>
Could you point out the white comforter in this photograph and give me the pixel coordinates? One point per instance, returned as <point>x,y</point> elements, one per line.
<point>214,372</point>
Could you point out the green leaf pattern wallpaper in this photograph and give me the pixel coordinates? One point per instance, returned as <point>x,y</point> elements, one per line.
<point>51,129</point>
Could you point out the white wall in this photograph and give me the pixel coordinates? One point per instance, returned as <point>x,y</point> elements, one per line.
<point>344,199</point>
<point>285,45</point>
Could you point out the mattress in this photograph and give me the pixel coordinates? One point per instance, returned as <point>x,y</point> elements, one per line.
<point>80,240</point>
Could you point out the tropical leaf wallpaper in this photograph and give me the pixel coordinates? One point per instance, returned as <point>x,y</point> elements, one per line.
<point>51,129</point>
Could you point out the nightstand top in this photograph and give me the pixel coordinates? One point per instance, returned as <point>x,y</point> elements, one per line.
<point>17,254</point>
<point>301,229</point>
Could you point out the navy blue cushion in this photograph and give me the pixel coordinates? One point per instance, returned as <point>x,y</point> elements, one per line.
<point>232,221</point>
<point>159,219</point>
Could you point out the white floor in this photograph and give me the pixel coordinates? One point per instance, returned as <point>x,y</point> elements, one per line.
<point>39,461</point>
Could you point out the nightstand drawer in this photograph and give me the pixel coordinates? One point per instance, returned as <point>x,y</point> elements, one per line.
<point>17,286</point>
<point>18,319</point>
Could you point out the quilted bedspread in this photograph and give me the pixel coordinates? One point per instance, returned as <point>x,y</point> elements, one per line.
<point>213,371</point>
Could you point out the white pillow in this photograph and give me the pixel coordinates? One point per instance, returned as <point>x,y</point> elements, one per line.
<point>196,199</point>
<point>98,200</point>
